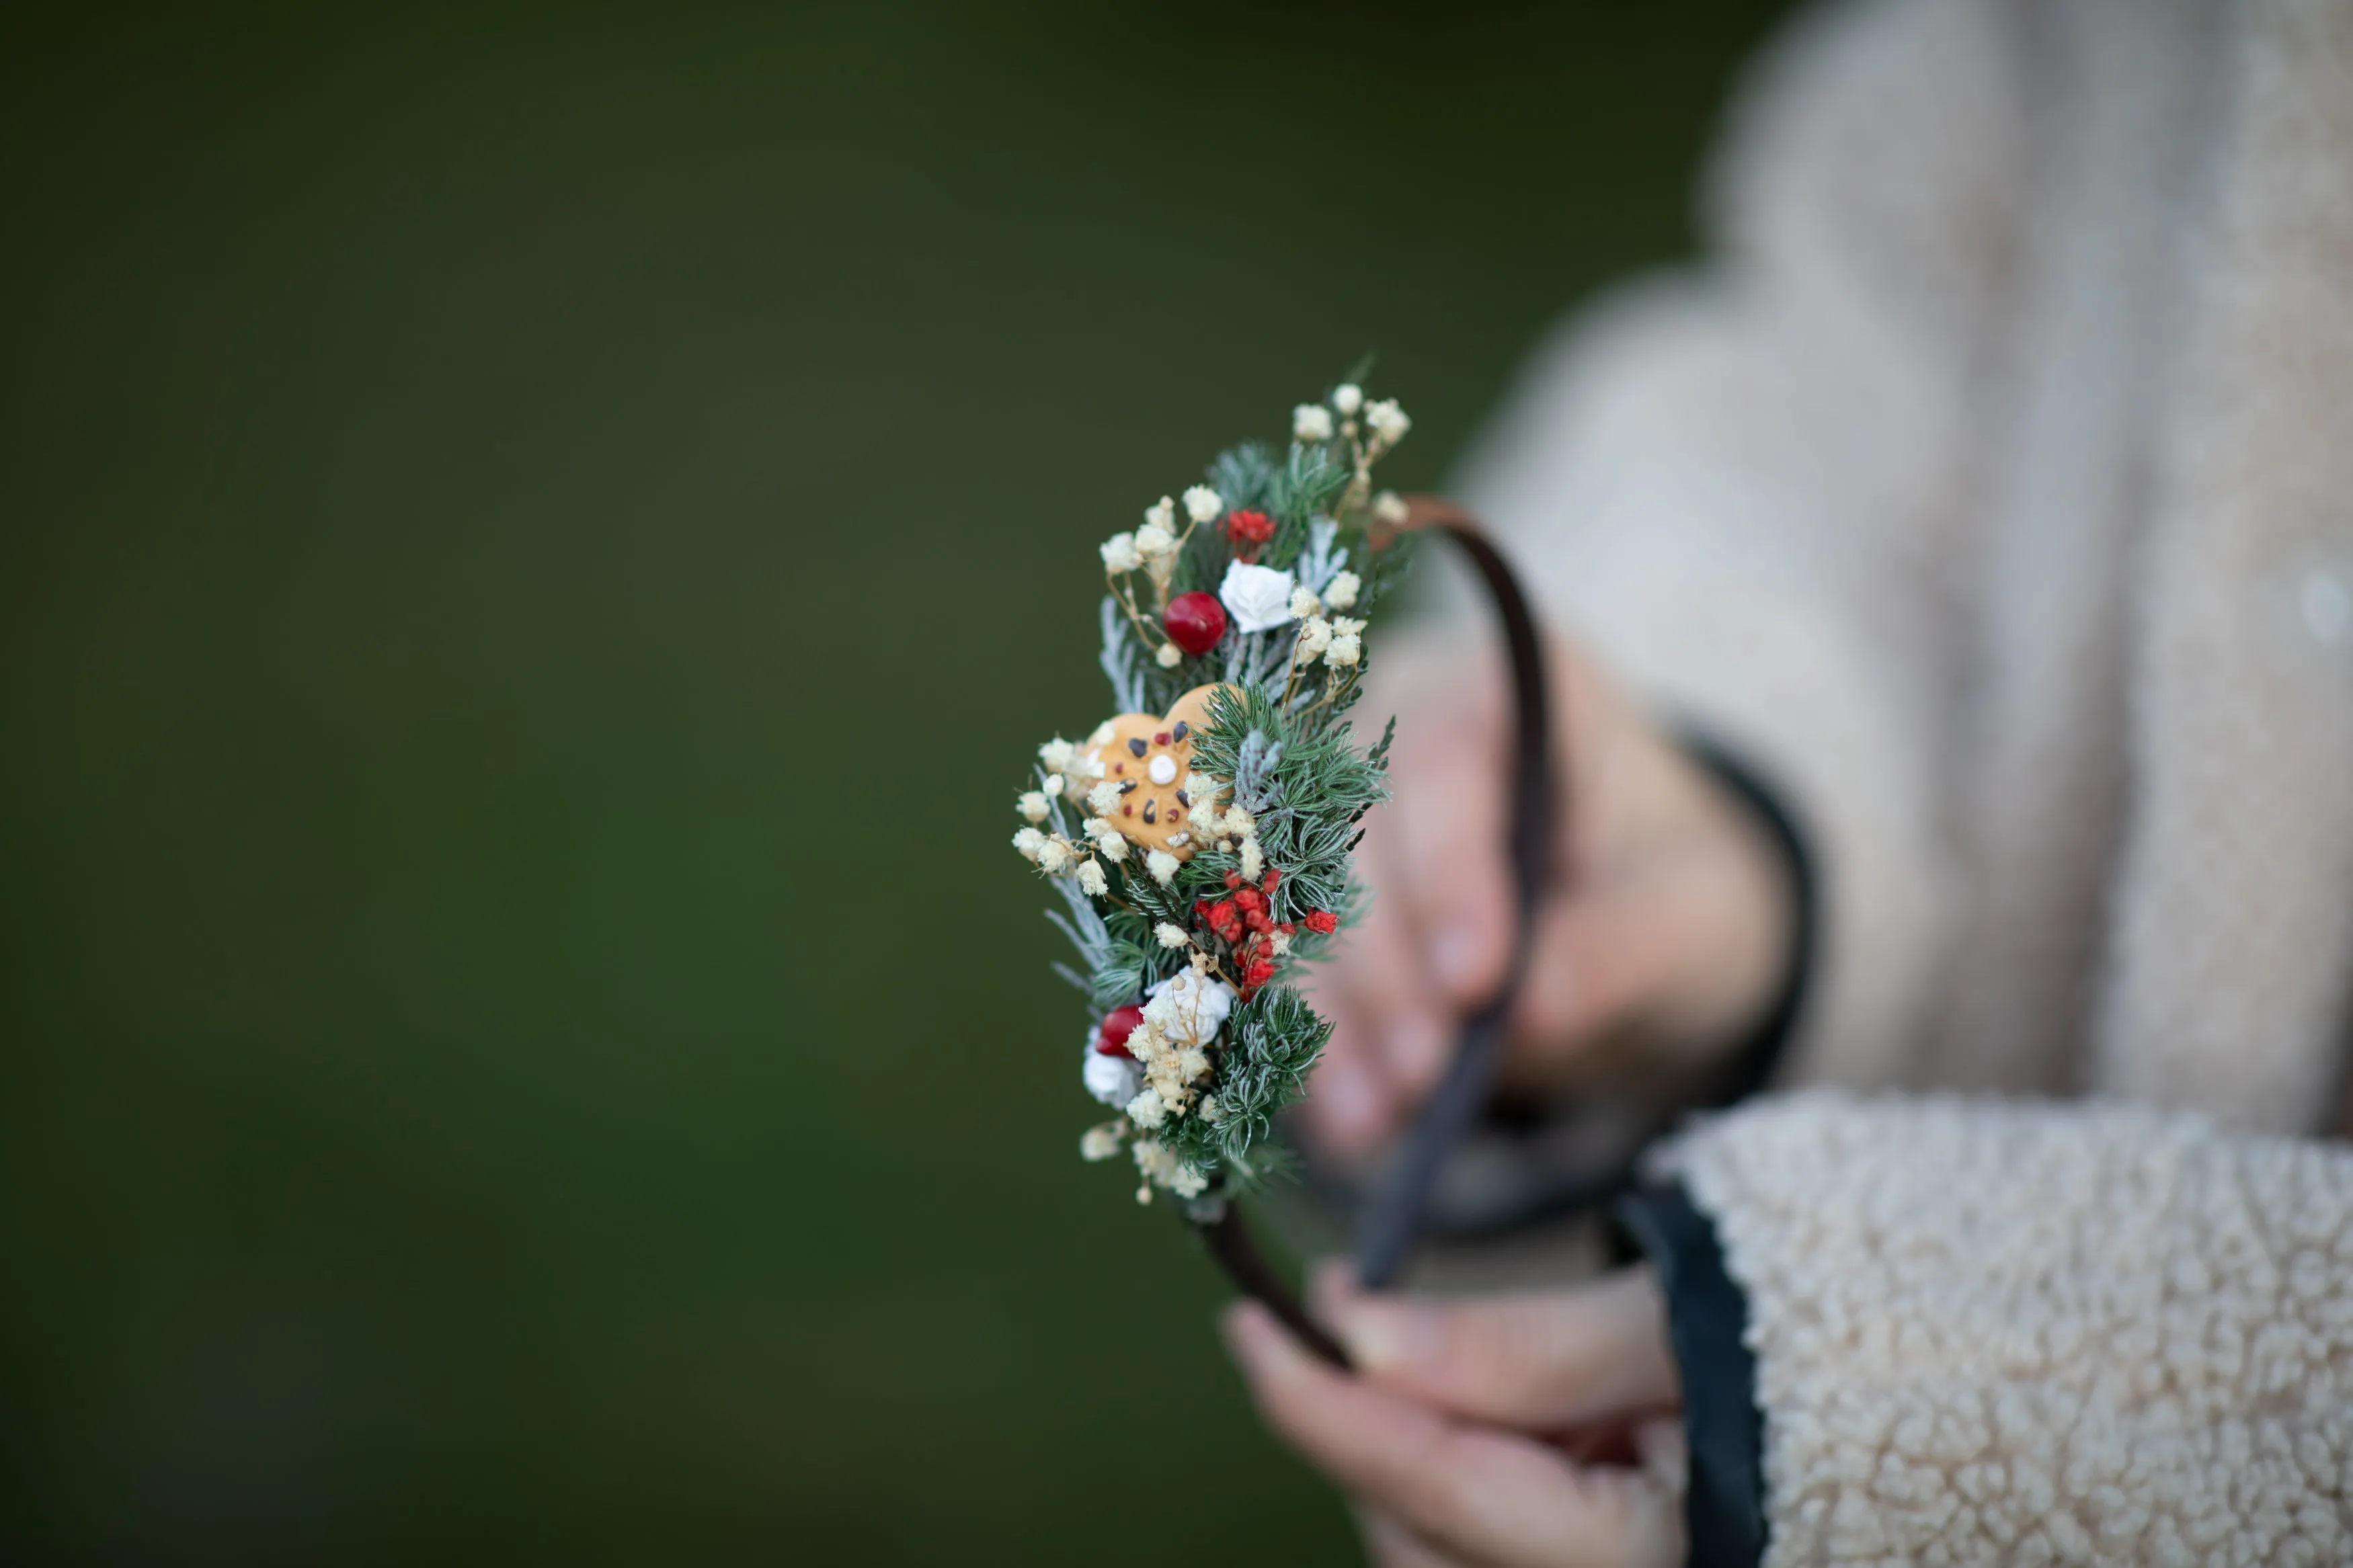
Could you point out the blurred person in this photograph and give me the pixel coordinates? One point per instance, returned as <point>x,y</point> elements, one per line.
<point>1960,570</point>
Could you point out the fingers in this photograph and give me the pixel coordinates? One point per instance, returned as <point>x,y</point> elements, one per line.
<point>1389,1037</point>
<point>1449,860</point>
<point>1490,1496</point>
<point>1389,1544</point>
<point>1541,1361</point>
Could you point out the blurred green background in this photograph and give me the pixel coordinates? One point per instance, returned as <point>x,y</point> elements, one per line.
<point>532,555</point>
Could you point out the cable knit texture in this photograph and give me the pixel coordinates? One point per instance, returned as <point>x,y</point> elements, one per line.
<point>2002,1334</point>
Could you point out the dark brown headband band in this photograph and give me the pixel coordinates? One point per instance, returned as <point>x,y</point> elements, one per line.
<point>1386,1230</point>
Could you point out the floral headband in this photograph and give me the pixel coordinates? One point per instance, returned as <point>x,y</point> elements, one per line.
<point>1200,840</point>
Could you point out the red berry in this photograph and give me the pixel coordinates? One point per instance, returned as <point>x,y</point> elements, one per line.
<point>1110,1036</point>
<point>1233,880</point>
<point>1322,921</point>
<point>1273,880</point>
<point>1194,622</point>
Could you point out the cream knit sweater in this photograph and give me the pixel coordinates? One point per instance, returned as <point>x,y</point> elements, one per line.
<point>1993,492</point>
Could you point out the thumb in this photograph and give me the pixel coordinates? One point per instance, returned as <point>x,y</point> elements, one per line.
<point>1535,1361</point>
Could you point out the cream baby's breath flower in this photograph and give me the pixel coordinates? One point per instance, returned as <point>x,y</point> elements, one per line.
<point>1161,514</point>
<point>1340,593</point>
<point>1092,880</point>
<point>1347,397</point>
<point>1146,1109</point>
<point>1303,603</point>
<point>1120,554</point>
<point>1345,650</point>
<point>1104,798</point>
<point>1202,503</point>
<point>1171,936</point>
<point>1113,845</point>
<point>1311,422</point>
<point>1056,754</point>
<point>1314,636</point>
<point>1162,865</point>
<point>1032,805</point>
<point>1029,842</point>
<point>1152,542</point>
<point>1054,856</point>
<point>1390,507</point>
<point>1099,1143</point>
<point>1388,420</point>
<point>1167,657</point>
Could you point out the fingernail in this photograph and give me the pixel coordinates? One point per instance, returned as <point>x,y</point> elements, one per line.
<point>1414,1043</point>
<point>1455,953</point>
<point>1384,1336</point>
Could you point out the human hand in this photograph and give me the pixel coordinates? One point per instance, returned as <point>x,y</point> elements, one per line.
<point>1664,941</point>
<point>1483,1432</point>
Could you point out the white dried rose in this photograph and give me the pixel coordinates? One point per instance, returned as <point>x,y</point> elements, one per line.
<point>1257,597</point>
<point>1114,1080</point>
<point>1188,1008</point>
<point>1202,503</point>
<point>1341,593</point>
<point>1311,422</point>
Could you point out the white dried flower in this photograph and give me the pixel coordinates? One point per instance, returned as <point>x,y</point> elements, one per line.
<point>1210,1111</point>
<point>1113,846</point>
<point>1033,804</point>
<point>1189,1007</point>
<point>1238,821</point>
<point>1119,554</point>
<point>1054,856</point>
<point>1145,1110</point>
<point>1345,650</point>
<point>1280,943</point>
<point>1171,935</point>
<point>1341,593</point>
<point>1346,626</point>
<point>1029,842</point>
<point>1092,880</point>
<point>1161,514</point>
<point>1113,1080</point>
<point>1152,543</point>
<point>1104,799</point>
<point>1053,785</point>
<point>1257,597</point>
<point>1162,865</point>
<point>1202,504</point>
<point>1189,1182</point>
<point>1167,657</point>
<point>1388,420</point>
<point>1314,638</point>
<point>1253,860</point>
<point>1303,603</point>
<point>1390,507</point>
<point>1103,734</point>
<point>1311,422</point>
<point>1056,754</point>
<point>1347,397</point>
<point>1100,1143</point>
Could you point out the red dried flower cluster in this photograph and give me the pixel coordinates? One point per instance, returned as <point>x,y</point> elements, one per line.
<point>1247,530</point>
<point>1244,921</point>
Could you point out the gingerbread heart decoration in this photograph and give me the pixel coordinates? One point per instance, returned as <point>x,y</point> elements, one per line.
<point>1147,758</point>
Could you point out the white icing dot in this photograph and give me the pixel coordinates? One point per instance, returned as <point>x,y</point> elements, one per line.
<point>1164,770</point>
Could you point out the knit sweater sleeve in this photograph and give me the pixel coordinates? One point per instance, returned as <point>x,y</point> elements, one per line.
<point>1737,486</point>
<point>2006,1334</point>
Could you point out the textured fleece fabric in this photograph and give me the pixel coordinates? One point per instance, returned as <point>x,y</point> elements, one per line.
<point>1992,489</point>
<point>2001,1333</point>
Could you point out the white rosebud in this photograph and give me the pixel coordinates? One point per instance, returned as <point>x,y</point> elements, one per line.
<point>1104,799</point>
<point>1163,866</point>
<point>1054,856</point>
<point>1119,554</point>
<point>1344,651</point>
<point>1311,422</point>
<point>1390,507</point>
<point>1341,594</point>
<point>1152,543</point>
<point>1113,846</point>
<point>1161,514</point>
<point>1314,638</point>
<point>1388,420</point>
<point>1347,397</point>
<point>1303,603</point>
<point>1171,936</point>
<point>1098,1143</point>
<point>1056,754</point>
<point>1257,597</point>
<point>1092,881</point>
<point>1032,805</point>
<point>1202,503</point>
<point>1145,1110</point>
<point>1029,842</point>
<point>1168,657</point>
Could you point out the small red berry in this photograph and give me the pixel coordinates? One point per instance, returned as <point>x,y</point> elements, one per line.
<point>1324,923</point>
<point>1271,880</point>
<point>1110,1036</point>
<point>1261,971</point>
<point>1194,622</point>
<point>1233,880</point>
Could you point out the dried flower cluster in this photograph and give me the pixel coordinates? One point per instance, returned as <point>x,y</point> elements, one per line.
<point>1200,841</point>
